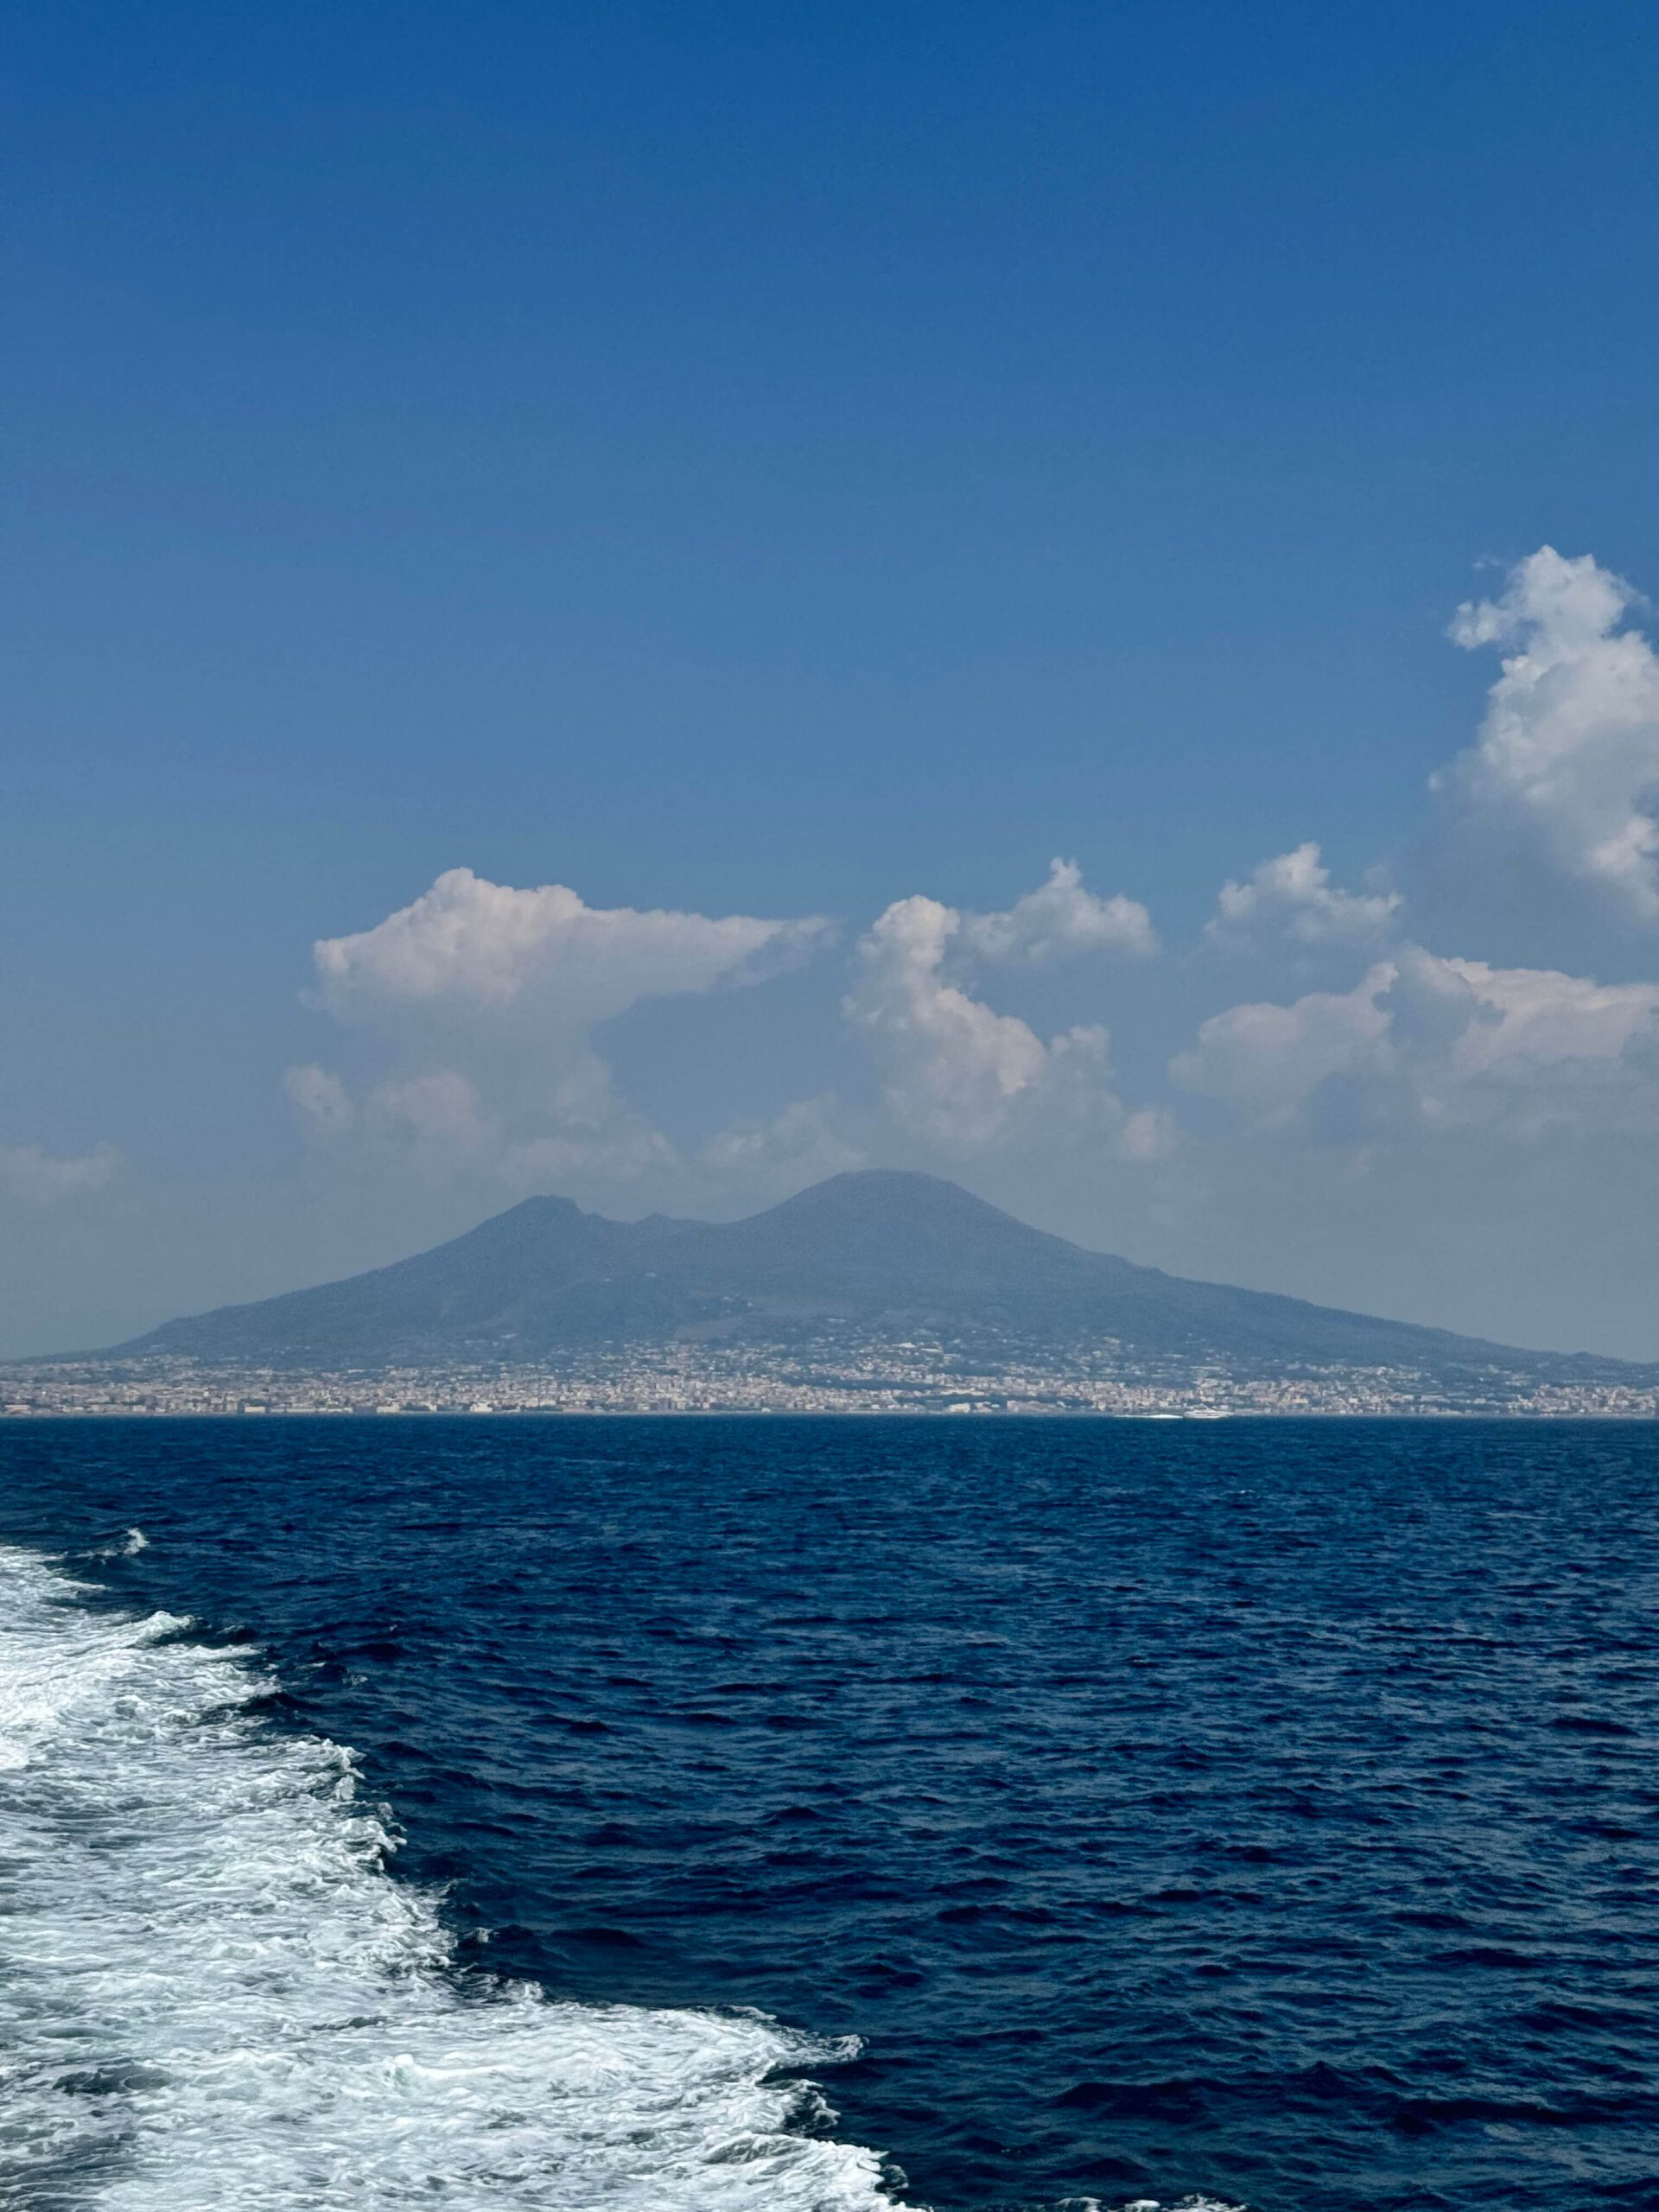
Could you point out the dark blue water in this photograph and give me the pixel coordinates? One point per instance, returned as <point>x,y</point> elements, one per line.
<point>1263,1810</point>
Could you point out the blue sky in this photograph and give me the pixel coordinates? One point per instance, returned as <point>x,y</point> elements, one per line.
<point>780,463</point>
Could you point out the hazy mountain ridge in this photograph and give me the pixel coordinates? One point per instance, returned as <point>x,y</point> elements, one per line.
<point>881,1251</point>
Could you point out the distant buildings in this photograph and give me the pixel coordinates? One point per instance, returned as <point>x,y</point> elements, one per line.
<point>843,1372</point>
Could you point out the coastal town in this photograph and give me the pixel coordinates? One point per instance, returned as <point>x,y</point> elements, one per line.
<point>833,1375</point>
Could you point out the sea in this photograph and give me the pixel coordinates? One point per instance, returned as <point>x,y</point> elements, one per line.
<point>801,1815</point>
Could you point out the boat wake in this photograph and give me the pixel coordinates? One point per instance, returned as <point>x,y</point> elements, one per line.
<point>216,1994</point>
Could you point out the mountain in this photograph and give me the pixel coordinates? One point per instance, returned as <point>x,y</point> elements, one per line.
<point>881,1252</point>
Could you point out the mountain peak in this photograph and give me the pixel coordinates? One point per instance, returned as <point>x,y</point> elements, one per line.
<point>875,1250</point>
<point>892,1192</point>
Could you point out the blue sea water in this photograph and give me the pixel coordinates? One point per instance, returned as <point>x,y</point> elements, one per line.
<point>1257,1814</point>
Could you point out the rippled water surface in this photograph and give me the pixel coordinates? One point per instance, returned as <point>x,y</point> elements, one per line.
<point>1266,1812</point>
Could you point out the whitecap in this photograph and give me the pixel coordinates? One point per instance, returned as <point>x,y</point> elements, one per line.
<point>132,1542</point>
<point>216,1995</point>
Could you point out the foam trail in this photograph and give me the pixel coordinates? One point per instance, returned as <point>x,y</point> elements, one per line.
<point>214,1995</point>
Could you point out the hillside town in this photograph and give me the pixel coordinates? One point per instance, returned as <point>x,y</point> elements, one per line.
<point>837,1375</point>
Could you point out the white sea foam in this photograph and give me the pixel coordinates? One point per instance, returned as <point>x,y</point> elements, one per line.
<point>130,1545</point>
<point>215,1998</point>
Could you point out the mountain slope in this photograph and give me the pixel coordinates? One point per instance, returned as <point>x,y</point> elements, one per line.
<point>881,1251</point>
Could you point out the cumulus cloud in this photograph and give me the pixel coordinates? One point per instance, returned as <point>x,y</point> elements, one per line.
<point>473,1012</point>
<point>1292,899</point>
<point>473,1007</point>
<point>439,1121</point>
<point>35,1176</point>
<point>800,1146</point>
<point>1269,1060</point>
<point>1424,1042</point>
<point>1061,917</point>
<point>320,1099</point>
<point>441,1108</point>
<point>956,1072</point>
<point>481,946</point>
<point>955,1067</point>
<point>1566,768</point>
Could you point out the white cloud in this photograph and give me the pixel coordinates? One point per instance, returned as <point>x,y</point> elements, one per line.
<point>36,1177</point>
<point>1268,1061</point>
<point>1059,917</point>
<point>441,1108</point>
<point>473,1010</point>
<point>1148,1133</point>
<point>956,1072</point>
<point>468,942</point>
<point>621,1151</point>
<point>1566,765</point>
<point>1292,898</point>
<point>320,1099</point>
<point>1428,1043</point>
<point>954,1067</point>
<point>1545,1019</point>
<point>798,1146</point>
